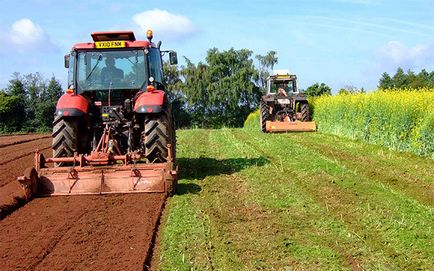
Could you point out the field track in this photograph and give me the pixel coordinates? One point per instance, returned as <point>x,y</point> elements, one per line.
<point>112,232</point>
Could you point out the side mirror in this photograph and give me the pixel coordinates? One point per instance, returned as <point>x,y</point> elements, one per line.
<point>173,58</point>
<point>67,61</point>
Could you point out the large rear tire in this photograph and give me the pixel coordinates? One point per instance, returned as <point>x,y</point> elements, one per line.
<point>264,116</point>
<point>305,112</point>
<point>158,133</point>
<point>65,131</point>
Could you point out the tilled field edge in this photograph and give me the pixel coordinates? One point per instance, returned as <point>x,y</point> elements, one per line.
<point>19,139</point>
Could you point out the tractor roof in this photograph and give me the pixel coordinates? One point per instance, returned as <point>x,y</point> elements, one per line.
<point>280,72</point>
<point>114,35</point>
<point>113,39</point>
<point>281,75</point>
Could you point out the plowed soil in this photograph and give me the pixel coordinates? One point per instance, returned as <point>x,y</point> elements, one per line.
<point>80,233</point>
<point>16,139</point>
<point>15,158</point>
<point>112,232</point>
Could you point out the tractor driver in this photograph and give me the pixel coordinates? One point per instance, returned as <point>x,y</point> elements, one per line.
<point>281,90</point>
<point>110,72</point>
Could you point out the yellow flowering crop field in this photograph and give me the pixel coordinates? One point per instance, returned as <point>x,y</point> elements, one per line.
<point>399,120</point>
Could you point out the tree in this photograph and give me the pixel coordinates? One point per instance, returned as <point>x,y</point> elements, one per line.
<point>17,94</point>
<point>172,80</point>
<point>417,81</point>
<point>386,82</point>
<point>8,113</point>
<point>400,79</point>
<point>44,111</point>
<point>424,76</point>
<point>221,91</point>
<point>33,102</point>
<point>266,64</point>
<point>431,79</point>
<point>350,89</point>
<point>54,90</point>
<point>318,90</point>
<point>343,91</point>
<point>35,87</point>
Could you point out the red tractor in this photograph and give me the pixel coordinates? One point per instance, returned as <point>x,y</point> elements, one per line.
<point>113,129</point>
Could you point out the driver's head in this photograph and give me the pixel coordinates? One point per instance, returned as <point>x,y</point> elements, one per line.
<point>110,61</point>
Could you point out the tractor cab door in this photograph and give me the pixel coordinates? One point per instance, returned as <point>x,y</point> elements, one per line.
<point>155,68</point>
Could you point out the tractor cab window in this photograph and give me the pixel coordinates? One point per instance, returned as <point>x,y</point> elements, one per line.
<point>155,65</point>
<point>287,85</point>
<point>99,70</point>
<point>71,70</point>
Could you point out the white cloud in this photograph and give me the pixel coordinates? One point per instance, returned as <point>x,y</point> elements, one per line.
<point>24,36</point>
<point>24,31</point>
<point>398,54</point>
<point>166,26</point>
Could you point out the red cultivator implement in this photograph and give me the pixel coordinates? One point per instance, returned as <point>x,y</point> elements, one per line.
<point>104,171</point>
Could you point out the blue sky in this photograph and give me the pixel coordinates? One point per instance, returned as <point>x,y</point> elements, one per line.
<point>338,42</point>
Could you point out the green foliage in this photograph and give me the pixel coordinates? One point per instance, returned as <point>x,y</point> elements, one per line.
<point>402,80</point>
<point>14,116</point>
<point>398,120</point>
<point>350,90</point>
<point>266,64</point>
<point>220,92</point>
<point>9,113</point>
<point>172,79</point>
<point>28,103</point>
<point>318,90</point>
<point>252,120</point>
<point>46,105</point>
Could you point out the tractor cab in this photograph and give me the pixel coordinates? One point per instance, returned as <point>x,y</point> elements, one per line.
<point>116,61</point>
<point>281,82</point>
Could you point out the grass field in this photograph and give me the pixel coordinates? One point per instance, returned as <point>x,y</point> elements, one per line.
<point>253,201</point>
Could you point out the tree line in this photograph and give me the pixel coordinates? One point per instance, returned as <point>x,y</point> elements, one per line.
<point>219,91</point>
<point>409,80</point>
<point>28,103</point>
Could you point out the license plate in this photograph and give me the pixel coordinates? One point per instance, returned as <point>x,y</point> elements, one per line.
<point>283,101</point>
<point>110,44</point>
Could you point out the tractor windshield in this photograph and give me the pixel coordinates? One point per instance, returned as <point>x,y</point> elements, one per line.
<point>287,85</point>
<point>98,70</point>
